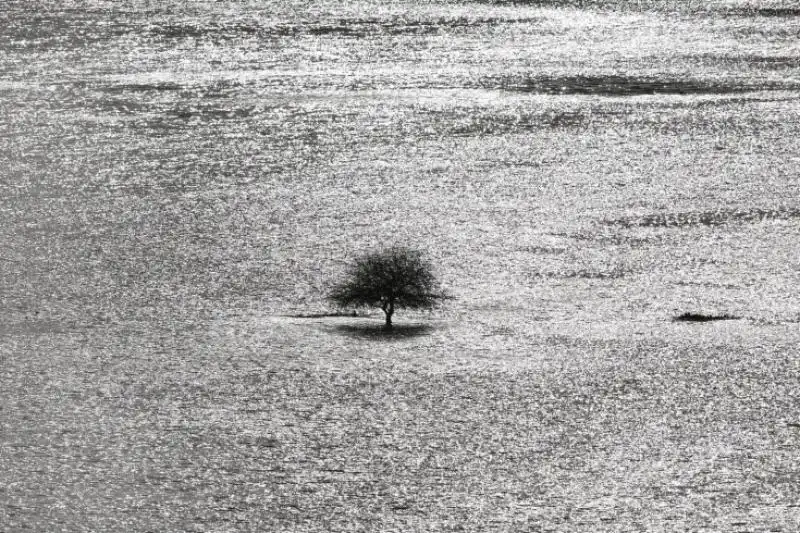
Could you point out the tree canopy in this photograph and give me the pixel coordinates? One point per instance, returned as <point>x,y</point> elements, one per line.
<point>390,279</point>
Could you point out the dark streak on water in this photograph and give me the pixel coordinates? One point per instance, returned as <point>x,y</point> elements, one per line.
<point>609,274</point>
<point>630,86</point>
<point>759,61</point>
<point>354,28</point>
<point>769,12</point>
<point>708,218</point>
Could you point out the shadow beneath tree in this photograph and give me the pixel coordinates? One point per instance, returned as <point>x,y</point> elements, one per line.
<point>379,332</point>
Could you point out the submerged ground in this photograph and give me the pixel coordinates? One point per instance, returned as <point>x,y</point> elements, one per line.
<point>179,181</point>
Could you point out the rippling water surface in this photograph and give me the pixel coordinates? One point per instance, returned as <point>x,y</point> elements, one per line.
<point>177,179</point>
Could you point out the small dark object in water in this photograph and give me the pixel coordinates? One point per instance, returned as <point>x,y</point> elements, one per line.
<point>699,317</point>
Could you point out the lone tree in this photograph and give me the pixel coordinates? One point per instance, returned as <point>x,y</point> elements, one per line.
<point>389,279</point>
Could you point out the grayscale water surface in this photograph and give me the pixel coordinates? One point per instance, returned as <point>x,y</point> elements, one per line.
<point>179,180</point>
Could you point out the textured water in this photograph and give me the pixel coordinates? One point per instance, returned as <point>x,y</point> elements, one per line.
<point>178,178</point>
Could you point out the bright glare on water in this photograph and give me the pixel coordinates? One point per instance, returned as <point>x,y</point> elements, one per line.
<point>180,180</point>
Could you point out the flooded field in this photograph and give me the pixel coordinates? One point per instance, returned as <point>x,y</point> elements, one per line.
<point>180,181</point>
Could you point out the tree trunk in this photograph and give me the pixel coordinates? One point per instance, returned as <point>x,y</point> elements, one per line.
<point>388,308</point>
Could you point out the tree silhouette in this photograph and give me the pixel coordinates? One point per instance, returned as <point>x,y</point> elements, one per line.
<point>390,279</point>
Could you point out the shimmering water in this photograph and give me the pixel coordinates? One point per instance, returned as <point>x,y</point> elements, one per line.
<point>178,178</point>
